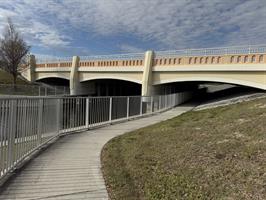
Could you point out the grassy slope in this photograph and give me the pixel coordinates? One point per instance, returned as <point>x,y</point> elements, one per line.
<point>6,78</point>
<point>212,154</point>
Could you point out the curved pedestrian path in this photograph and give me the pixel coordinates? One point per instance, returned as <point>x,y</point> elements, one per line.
<point>71,167</point>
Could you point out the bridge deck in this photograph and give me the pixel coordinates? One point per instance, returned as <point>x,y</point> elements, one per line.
<point>71,168</point>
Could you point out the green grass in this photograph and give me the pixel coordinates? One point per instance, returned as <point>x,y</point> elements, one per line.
<point>23,87</point>
<point>6,78</point>
<point>218,153</point>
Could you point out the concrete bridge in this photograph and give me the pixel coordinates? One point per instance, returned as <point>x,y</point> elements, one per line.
<point>153,72</point>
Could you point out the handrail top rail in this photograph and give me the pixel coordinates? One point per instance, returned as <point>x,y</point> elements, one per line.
<point>215,51</point>
<point>16,97</point>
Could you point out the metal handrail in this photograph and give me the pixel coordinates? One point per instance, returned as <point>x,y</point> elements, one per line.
<point>233,50</point>
<point>159,54</point>
<point>129,56</point>
<point>29,123</point>
<point>44,59</point>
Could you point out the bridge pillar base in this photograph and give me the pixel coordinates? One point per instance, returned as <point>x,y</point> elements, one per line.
<point>147,87</point>
<point>74,77</point>
<point>30,73</point>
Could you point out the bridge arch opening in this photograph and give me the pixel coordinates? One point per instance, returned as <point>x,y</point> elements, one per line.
<point>209,79</point>
<point>111,87</point>
<point>207,91</point>
<point>54,81</point>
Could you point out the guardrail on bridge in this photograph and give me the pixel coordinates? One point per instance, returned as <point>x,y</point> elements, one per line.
<point>219,51</point>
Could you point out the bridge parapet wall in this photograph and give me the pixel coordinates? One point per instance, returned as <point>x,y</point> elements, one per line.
<point>212,60</point>
<point>224,55</point>
<point>175,61</point>
<point>95,63</point>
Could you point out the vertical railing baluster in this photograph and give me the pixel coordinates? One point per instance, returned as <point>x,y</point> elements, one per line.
<point>127,107</point>
<point>39,126</point>
<point>151,104</point>
<point>12,132</point>
<point>87,113</point>
<point>110,109</point>
<point>141,105</point>
<point>58,115</point>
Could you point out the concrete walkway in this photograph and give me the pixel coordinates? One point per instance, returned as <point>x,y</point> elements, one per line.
<point>71,168</point>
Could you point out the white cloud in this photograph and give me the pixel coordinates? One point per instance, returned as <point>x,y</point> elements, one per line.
<point>3,18</point>
<point>36,31</point>
<point>172,24</point>
<point>178,23</point>
<point>44,35</point>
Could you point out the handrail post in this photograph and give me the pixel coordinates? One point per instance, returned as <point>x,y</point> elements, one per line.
<point>140,112</point>
<point>12,132</point>
<point>87,113</point>
<point>39,127</point>
<point>110,109</point>
<point>151,104</point>
<point>58,115</point>
<point>173,100</point>
<point>127,107</point>
<point>160,102</point>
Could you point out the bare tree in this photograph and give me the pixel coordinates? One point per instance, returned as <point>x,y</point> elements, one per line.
<point>13,51</point>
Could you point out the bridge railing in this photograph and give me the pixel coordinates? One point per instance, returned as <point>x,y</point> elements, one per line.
<point>221,51</point>
<point>45,59</point>
<point>29,123</point>
<point>130,56</point>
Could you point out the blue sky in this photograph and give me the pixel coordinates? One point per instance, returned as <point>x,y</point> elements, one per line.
<point>86,27</point>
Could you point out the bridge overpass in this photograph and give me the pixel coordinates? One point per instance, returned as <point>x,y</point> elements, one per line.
<point>153,72</point>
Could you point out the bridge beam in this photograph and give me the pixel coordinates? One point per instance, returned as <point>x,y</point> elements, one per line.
<point>147,88</point>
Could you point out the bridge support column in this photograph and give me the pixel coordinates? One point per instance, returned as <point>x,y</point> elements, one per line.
<point>147,88</point>
<point>31,70</point>
<point>74,83</point>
